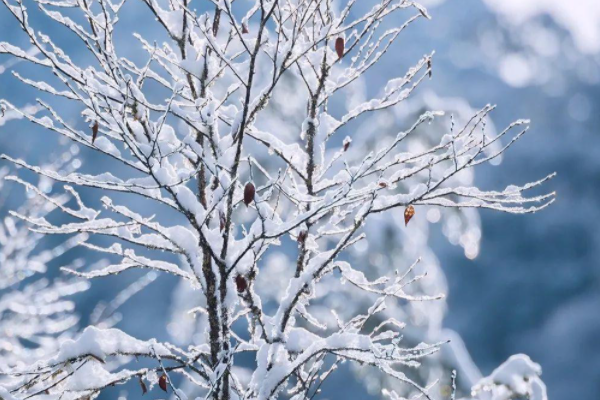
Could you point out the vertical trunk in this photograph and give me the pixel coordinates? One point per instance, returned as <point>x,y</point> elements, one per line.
<point>310,149</point>
<point>216,286</point>
<point>212,307</point>
<point>225,334</point>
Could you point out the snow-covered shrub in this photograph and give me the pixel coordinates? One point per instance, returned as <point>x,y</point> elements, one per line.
<point>36,306</point>
<point>517,377</point>
<point>188,127</point>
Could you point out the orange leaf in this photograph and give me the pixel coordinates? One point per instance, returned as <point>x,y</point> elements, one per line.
<point>162,382</point>
<point>408,214</point>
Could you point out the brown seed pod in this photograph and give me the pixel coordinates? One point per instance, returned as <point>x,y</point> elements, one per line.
<point>162,382</point>
<point>94,131</point>
<point>382,185</point>
<point>339,47</point>
<point>244,29</point>
<point>408,214</point>
<point>249,192</point>
<point>241,283</point>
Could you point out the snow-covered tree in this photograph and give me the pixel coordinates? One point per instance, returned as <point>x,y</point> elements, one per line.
<point>188,128</point>
<point>36,308</point>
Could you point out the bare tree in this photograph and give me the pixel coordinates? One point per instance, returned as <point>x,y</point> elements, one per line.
<point>200,151</point>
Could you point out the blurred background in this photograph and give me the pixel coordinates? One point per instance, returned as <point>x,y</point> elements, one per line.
<point>534,287</point>
<point>532,283</point>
